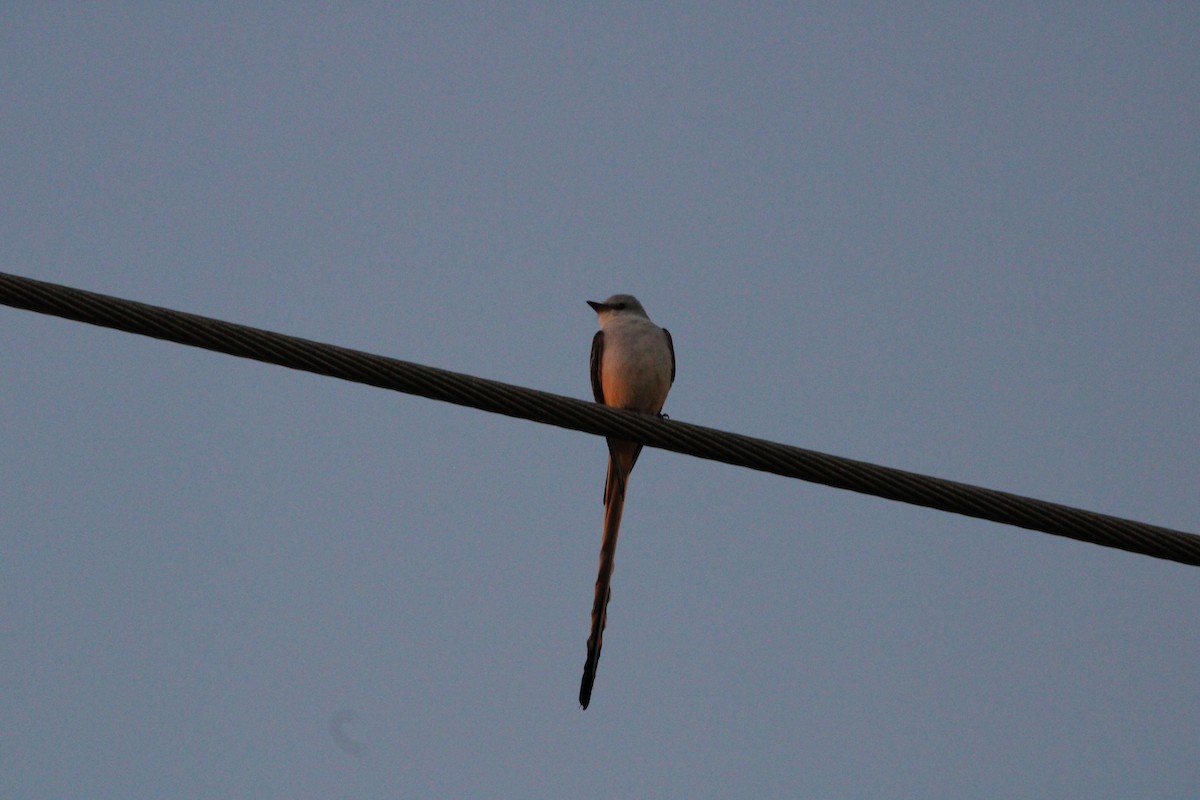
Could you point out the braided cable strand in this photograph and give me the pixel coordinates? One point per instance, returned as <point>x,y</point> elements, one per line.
<point>568,412</point>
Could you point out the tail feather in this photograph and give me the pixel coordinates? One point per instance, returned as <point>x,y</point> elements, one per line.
<point>620,462</point>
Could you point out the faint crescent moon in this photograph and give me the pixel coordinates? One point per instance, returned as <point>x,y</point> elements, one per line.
<point>339,736</point>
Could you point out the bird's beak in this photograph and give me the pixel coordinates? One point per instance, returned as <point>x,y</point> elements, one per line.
<point>597,307</point>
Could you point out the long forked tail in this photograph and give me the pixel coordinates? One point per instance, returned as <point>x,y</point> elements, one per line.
<point>614,501</point>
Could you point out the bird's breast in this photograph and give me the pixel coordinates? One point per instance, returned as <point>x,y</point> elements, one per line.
<point>636,369</point>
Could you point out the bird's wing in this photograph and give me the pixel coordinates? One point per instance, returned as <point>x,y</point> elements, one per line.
<point>671,347</point>
<point>597,355</point>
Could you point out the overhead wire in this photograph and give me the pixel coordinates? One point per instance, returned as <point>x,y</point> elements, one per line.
<point>571,413</point>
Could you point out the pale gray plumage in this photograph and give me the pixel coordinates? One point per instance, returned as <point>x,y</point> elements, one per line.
<point>632,367</point>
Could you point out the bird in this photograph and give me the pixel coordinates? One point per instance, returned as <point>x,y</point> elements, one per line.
<point>632,367</point>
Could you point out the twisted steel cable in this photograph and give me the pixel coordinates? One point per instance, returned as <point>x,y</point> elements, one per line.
<point>567,412</point>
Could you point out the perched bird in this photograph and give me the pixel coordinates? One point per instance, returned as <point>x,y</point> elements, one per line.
<point>633,367</point>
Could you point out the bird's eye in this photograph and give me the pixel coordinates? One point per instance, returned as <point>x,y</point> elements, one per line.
<point>620,306</point>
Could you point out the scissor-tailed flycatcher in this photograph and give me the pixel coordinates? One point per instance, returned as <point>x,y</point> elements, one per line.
<point>633,367</point>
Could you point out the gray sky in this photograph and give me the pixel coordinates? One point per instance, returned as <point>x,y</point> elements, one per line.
<point>952,239</point>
